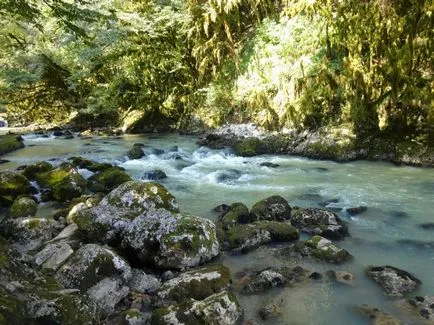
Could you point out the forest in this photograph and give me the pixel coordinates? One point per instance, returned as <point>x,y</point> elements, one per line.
<point>173,64</point>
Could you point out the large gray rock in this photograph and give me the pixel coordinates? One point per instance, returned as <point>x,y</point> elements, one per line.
<point>89,265</point>
<point>113,214</point>
<point>107,293</point>
<point>319,222</point>
<point>393,281</point>
<point>171,240</point>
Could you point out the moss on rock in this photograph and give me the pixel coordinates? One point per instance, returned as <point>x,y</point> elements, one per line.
<point>9,143</point>
<point>107,180</point>
<point>23,207</point>
<point>12,185</point>
<point>32,170</point>
<point>236,214</point>
<point>249,147</point>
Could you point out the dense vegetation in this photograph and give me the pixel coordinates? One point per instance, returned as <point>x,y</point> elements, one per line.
<point>156,64</point>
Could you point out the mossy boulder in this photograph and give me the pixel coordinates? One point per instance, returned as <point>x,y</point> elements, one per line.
<point>249,147</point>
<point>91,264</point>
<point>169,240</point>
<point>217,309</point>
<point>23,207</point>
<point>319,222</point>
<point>12,185</point>
<point>32,170</point>
<point>29,233</point>
<point>195,284</point>
<point>237,213</point>
<point>63,183</point>
<point>105,221</point>
<point>274,208</point>
<point>9,143</point>
<point>107,180</point>
<point>93,166</point>
<point>323,249</point>
<point>135,152</point>
<point>243,238</point>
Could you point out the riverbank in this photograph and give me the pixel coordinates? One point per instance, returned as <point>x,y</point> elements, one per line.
<point>338,145</point>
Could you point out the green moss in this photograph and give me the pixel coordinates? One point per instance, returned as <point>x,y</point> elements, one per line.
<point>237,213</point>
<point>202,288</point>
<point>157,317</point>
<point>279,231</point>
<point>90,229</point>
<point>108,179</point>
<point>135,153</point>
<point>10,309</point>
<point>11,186</point>
<point>32,170</point>
<point>9,143</point>
<point>249,147</point>
<point>23,207</point>
<point>33,223</point>
<point>133,313</point>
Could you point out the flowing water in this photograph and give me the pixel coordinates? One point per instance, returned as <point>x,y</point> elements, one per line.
<point>399,200</point>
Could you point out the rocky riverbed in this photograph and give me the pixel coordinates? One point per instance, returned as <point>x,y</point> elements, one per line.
<point>115,249</point>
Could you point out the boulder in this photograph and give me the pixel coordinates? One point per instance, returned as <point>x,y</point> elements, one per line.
<point>271,308</point>
<point>135,152</point>
<point>12,185</point>
<point>107,293</point>
<point>258,282</point>
<point>242,238</point>
<point>105,221</point>
<point>143,282</point>
<point>376,316</point>
<point>31,171</point>
<point>343,277</point>
<point>325,250</point>
<point>91,264</point>
<point>235,214</point>
<point>393,281</point>
<point>319,222</point>
<point>63,183</point>
<point>153,175</point>
<point>196,284</point>
<point>356,210</point>
<point>10,142</point>
<point>171,240</point>
<point>29,233</point>
<point>23,207</point>
<point>219,308</point>
<point>269,164</point>
<point>107,180</point>
<point>274,208</point>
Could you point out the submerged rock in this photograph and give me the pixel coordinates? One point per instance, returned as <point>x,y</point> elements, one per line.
<point>63,183</point>
<point>89,265</point>
<point>393,281</point>
<point>271,308</point>
<point>269,164</point>
<point>319,222</point>
<point>423,307</point>
<point>273,208</point>
<point>343,277</point>
<point>227,175</point>
<point>376,316</point>
<point>356,210</point>
<point>12,185</point>
<point>23,207</point>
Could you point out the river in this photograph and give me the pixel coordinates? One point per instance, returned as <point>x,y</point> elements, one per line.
<point>399,200</point>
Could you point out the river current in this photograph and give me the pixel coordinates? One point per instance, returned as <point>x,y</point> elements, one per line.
<point>389,232</point>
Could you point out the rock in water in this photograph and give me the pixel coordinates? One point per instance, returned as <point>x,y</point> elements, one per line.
<point>108,179</point>
<point>135,153</point>
<point>154,174</point>
<point>377,317</point>
<point>274,208</point>
<point>319,222</point>
<point>424,306</point>
<point>393,281</point>
<point>235,214</point>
